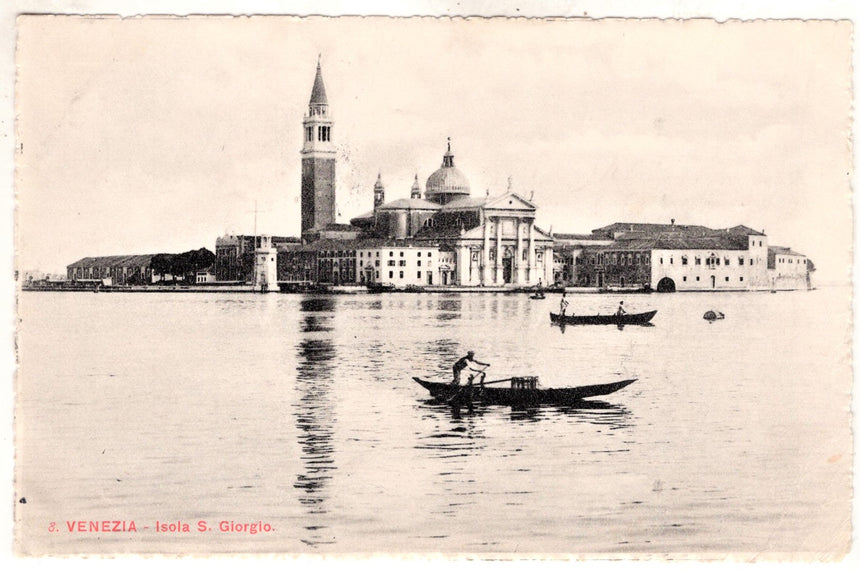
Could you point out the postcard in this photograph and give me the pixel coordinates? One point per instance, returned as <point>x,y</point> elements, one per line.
<point>487,287</point>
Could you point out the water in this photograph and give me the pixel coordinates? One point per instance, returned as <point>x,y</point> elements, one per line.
<point>299,412</point>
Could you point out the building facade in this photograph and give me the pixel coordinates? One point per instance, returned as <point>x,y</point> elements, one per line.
<point>234,255</point>
<point>669,257</point>
<point>114,270</point>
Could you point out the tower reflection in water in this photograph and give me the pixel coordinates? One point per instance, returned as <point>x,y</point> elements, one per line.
<point>314,416</point>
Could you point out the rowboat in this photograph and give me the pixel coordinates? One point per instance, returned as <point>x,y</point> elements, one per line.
<point>538,295</point>
<point>611,319</point>
<point>523,391</point>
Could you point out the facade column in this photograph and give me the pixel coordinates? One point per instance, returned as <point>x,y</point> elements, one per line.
<point>531,269</point>
<point>485,253</point>
<point>463,262</point>
<point>518,254</point>
<point>498,276</point>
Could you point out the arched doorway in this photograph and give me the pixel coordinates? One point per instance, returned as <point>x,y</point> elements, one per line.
<point>666,285</point>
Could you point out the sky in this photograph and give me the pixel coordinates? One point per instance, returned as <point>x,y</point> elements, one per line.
<point>158,134</point>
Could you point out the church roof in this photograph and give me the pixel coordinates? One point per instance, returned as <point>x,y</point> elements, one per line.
<point>409,203</point>
<point>318,96</point>
<point>464,203</point>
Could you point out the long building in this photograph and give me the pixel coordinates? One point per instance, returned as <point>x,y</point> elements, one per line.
<point>670,257</point>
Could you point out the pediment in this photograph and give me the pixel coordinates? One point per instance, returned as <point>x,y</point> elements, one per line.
<point>509,201</point>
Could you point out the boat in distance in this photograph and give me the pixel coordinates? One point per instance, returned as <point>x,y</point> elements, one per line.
<point>610,319</point>
<point>522,392</point>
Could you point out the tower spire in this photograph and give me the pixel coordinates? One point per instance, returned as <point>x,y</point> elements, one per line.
<point>416,188</point>
<point>318,96</point>
<point>378,192</point>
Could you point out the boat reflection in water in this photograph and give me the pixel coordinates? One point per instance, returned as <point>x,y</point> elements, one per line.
<point>586,411</point>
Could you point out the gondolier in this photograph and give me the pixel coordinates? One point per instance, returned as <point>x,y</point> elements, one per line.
<point>463,363</point>
<point>563,305</point>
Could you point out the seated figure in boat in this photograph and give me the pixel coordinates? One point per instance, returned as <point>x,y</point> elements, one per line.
<point>621,310</point>
<point>466,362</point>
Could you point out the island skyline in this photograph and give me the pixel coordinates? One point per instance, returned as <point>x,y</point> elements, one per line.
<point>143,151</point>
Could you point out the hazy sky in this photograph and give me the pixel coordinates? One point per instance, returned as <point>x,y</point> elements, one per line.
<point>158,134</point>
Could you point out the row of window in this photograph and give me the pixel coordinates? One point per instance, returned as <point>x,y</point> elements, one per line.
<point>697,278</point>
<point>401,263</point>
<point>391,254</point>
<point>616,259</point>
<point>791,261</point>
<point>711,261</point>
<point>391,275</point>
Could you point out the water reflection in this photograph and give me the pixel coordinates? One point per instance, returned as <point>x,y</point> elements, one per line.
<point>585,411</point>
<point>314,417</point>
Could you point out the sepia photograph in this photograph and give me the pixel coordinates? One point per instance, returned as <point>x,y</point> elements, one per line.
<point>495,287</point>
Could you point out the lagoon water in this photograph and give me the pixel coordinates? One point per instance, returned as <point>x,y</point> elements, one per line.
<point>299,411</point>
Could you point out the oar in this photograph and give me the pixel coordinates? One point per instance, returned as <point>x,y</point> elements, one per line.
<point>457,394</point>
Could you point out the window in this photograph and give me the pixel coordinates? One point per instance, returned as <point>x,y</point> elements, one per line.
<point>390,262</point>
<point>727,278</point>
<point>377,254</point>
<point>309,133</point>
<point>429,254</point>
<point>697,278</point>
<point>740,260</point>
<point>685,278</point>
<point>661,261</point>
<point>698,260</point>
<point>401,274</point>
<point>402,263</point>
<point>419,254</point>
<point>671,259</point>
<point>401,254</point>
<point>742,278</point>
<point>376,263</point>
<point>419,262</point>
<point>614,259</point>
<point>390,274</point>
<point>684,263</point>
<point>419,275</point>
<point>751,261</point>
<point>525,255</point>
<point>391,254</point>
<point>727,261</point>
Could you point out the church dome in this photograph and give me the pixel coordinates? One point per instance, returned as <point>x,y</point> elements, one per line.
<point>448,182</point>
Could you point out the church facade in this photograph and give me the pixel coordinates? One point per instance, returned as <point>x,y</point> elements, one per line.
<point>443,236</point>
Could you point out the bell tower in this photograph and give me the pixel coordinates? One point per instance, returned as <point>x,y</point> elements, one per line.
<point>318,161</point>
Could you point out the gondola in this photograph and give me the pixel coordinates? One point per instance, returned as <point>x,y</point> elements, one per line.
<point>538,295</point>
<point>523,391</point>
<point>610,319</point>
